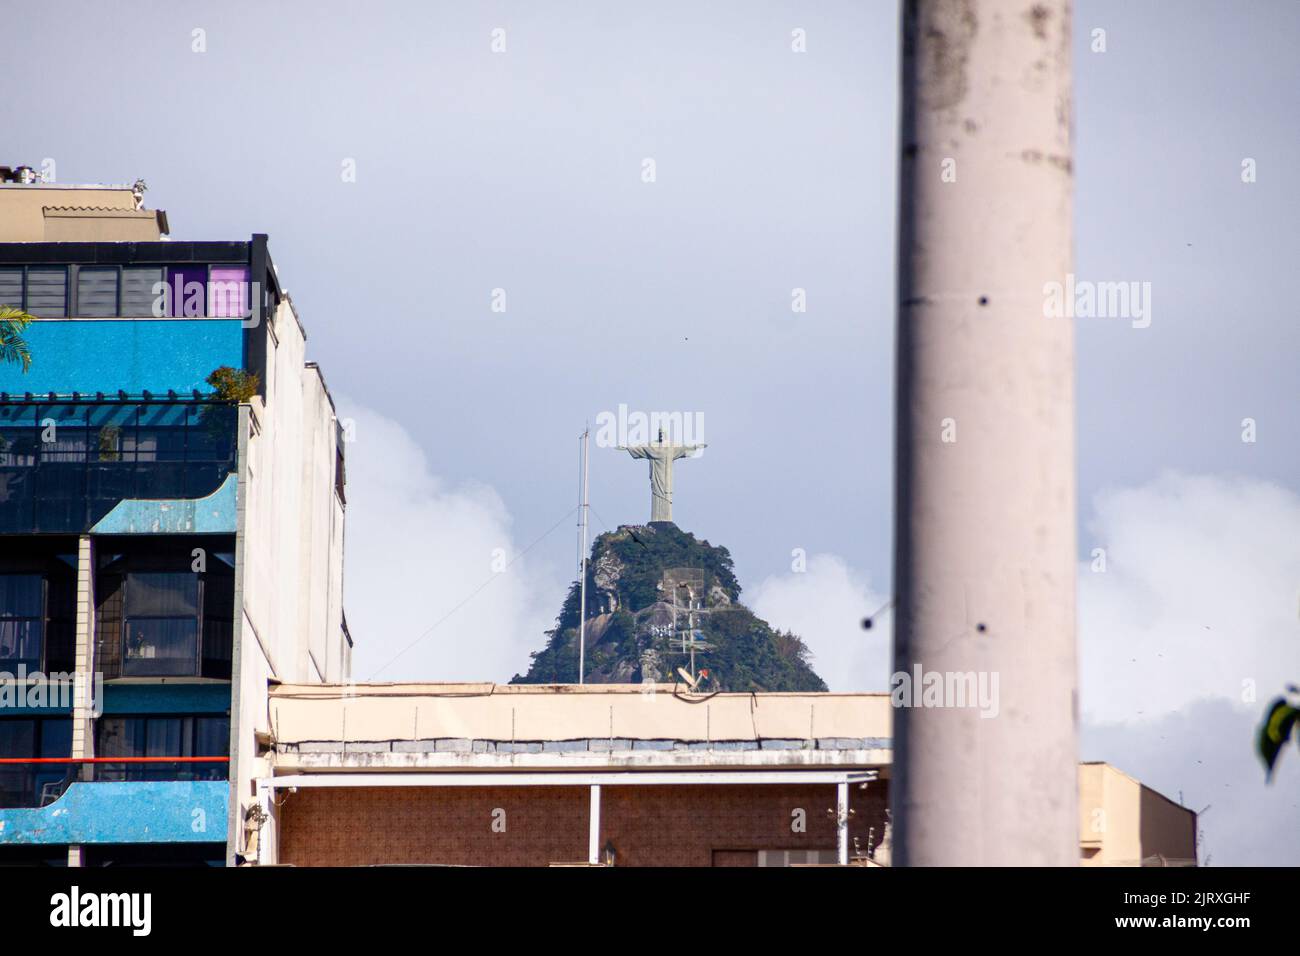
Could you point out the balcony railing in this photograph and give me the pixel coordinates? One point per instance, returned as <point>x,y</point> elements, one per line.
<point>64,465</point>
<point>27,782</point>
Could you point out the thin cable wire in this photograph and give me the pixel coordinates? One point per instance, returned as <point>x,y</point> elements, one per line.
<point>473,594</point>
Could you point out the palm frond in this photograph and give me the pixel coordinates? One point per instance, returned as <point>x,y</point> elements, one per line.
<point>13,347</point>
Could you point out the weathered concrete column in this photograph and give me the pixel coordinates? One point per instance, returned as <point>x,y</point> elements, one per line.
<point>984,488</point>
<point>83,685</point>
<point>83,725</point>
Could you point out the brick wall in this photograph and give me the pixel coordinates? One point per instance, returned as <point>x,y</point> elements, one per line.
<point>535,826</point>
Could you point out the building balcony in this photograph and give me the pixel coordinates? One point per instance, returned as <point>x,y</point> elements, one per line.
<point>138,315</point>
<point>161,777</point>
<point>67,465</point>
<point>170,811</point>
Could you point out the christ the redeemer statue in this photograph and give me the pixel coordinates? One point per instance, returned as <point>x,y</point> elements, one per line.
<point>662,454</point>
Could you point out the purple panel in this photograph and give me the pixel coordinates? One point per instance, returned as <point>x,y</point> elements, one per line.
<point>188,287</point>
<point>228,292</point>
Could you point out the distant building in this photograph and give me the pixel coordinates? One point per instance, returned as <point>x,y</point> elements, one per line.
<point>172,550</point>
<point>637,775</point>
<point>1125,823</point>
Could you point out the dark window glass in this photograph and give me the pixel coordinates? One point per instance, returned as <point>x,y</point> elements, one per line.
<point>117,737</point>
<point>157,444</point>
<point>20,595</point>
<point>218,615</point>
<point>211,736</point>
<point>56,738</point>
<point>22,599</point>
<point>162,594</point>
<point>64,466</point>
<point>157,616</point>
<point>160,648</point>
<point>96,292</point>
<point>161,627</point>
<point>47,292</point>
<point>62,433</point>
<point>20,643</point>
<point>17,737</point>
<point>122,736</point>
<point>33,784</point>
<point>18,437</point>
<point>138,295</point>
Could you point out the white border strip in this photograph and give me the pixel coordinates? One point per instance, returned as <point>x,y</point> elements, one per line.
<point>563,779</point>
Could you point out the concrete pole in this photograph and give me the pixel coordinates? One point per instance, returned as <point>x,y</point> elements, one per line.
<point>842,824</point>
<point>593,827</point>
<point>984,486</point>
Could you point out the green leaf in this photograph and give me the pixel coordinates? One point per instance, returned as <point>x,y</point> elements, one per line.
<point>13,347</point>
<point>1273,733</point>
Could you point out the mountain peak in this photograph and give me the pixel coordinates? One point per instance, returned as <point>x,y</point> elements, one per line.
<point>644,583</point>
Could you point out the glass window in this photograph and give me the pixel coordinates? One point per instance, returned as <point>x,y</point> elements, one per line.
<point>162,594</point>
<point>211,736</point>
<point>64,466</point>
<point>180,736</point>
<point>62,430</point>
<point>32,784</point>
<point>160,648</point>
<point>47,292</point>
<point>17,737</point>
<point>117,737</point>
<point>96,291</point>
<point>161,627</point>
<point>21,620</point>
<point>162,738</point>
<point>56,737</point>
<point>111,429</point>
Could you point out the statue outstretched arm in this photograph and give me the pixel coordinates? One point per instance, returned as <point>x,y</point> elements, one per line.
<point>636,451</point>
<point>685,451</point>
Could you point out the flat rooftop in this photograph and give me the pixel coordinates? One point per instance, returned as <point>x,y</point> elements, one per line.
<point>444,726</point>
<point>560,712</point>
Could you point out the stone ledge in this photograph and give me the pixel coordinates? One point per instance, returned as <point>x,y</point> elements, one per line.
<point>600,745</point>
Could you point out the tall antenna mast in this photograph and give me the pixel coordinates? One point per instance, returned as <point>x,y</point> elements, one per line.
<point>582,565</point>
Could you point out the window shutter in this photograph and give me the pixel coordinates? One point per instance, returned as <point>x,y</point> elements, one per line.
<point>47,292</point>
<point>96,292</point>
<point>137,291</point>
<point>11,288</point>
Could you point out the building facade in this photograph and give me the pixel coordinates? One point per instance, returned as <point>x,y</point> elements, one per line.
<point>636,775</point>
<point>167,548</point>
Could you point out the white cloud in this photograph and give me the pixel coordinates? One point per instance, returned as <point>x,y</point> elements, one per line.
<point>1184,639</point>
<point>415,549</point>
<point>1198,600</point>
<point>825,605</point>
<point>1199,595</point>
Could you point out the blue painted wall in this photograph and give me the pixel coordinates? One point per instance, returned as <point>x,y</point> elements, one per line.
<point>107,355</point>
<point>166,698</point>
<point>123,698</point>
<point>214,514</point>
<point>145,812</point>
